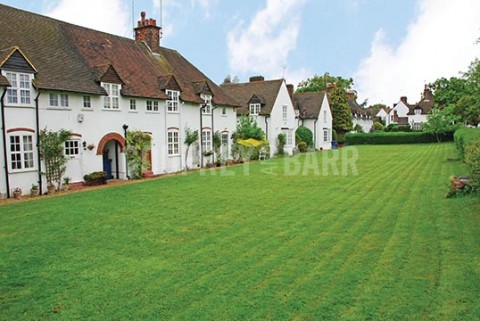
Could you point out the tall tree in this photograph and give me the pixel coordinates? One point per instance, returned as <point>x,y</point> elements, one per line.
<point>342,116</point>
<point>319,83</point>
<point>441,121</point>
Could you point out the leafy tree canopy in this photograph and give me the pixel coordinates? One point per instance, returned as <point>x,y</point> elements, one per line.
<point>462,94</point>
<point>441,121</point>
<point>319,83</point>
<point>247,128</point>
<point>342,116</point>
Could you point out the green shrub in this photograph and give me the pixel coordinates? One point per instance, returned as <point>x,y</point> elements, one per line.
<point>472,160</point>
<point>302,147</point>
<point>95,178</point>
<point>341,138</point>
<point>377,126</point>
<point>358,128</point>
<point>334,135</point>
<point>304,134</point>
<point>384,138</point>
<point>282,140</point>
<point>463,137</point>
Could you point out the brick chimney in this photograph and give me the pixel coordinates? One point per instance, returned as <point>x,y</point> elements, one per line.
<point>351,95</point>
<point>427,93</point>
<point>403,99</point>
<point>257,78</point>
<point>148,32</point>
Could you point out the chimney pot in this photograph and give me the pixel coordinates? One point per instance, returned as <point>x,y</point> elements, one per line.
<point>148,32</point>
<point>257,78</point>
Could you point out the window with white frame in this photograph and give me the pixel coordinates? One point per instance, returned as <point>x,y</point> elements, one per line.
<point>133,104</point>
<point>254,109</point>
<point>324,116</point>
<point>152,105</point>
<point>224,111</point>
<point>206,140</point>
<point>326,135</point>
<point>173,142</point>
<point>288,136</point>
<point>172,104</point>
<point>417,126</point>
<point>87,103</point>
<point>21,152</point>
<point>418,111</point>
<point>72,148</point>
<point>112,100</point>
<point>58,100</point>
<point>20,90</point>
<point>285,112</point>
<point>207,109</point>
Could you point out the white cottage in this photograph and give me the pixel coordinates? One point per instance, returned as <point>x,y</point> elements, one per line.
<point>315,113</point>
<point>270,104</point>
<point>56,75</point>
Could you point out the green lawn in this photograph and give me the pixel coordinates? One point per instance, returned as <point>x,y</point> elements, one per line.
<point>256,242</point>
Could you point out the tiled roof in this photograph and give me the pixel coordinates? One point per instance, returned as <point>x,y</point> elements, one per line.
<point>309,104</point>
<point>425,105</point>
<point>72,58</point>
<point>267,91</point>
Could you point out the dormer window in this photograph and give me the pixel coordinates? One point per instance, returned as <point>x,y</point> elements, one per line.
<point>172,104</point>
<point>254,109</point>
<point>207,108</point>
<point>418,111</point>
<point>112,100</point>
<point>19,92</point>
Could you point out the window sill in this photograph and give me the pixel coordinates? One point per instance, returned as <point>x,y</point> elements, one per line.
<point>22,171</point>
<point>173,156</point>
<point>114,110</point>
<point>152,112</point>
<point>59,108</point>
<point>86,109</point>
<point>173,112</point>
<point>133,111</point>
<point>19,106</point>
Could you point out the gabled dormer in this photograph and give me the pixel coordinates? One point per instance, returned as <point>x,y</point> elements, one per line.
<point>172,89</point>
<point>255,105</point>
<point>18,75</point>
<point>110,80</point>
<point>202,88</point>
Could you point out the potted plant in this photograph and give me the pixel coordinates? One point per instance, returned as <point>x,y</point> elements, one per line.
<point>51,188</point>
<point>17,193</point>
<point>34,191</point>
<point>66,183</point>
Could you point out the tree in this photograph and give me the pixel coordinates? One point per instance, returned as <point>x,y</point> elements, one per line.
<point>342,116</point>
<point>52,146</point>
<point>319,83</point>
<point>190,138</point>
<point>440,121</point>
<point>247,128</point>
<point>138,143</point>
<point>462,94</point>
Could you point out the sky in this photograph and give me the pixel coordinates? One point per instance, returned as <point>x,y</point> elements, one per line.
<point>391,48</point>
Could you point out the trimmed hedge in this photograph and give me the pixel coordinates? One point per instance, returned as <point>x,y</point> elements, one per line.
<point>386,138</point>
<point>463,137</point>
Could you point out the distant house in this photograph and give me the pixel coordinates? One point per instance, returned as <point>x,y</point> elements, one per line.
<point>57,75</point>
<point>270,104</point>
<point>360,115</point>
<point>413,115</point>
<point>383,113</point>
<point>314,113</point>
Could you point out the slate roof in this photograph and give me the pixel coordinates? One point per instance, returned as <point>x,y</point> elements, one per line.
<point>72,58</point>
<point>425,105</point>
<point>309,104</point>
<point>264,91</point>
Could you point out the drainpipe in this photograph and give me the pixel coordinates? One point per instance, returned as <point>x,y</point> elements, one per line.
<point>266,127</point>
<point>202,107</point>
<point>5,157</point>
<point>213,132</point>
<point>37,125</point>
<point>315,133</point>
<point>125,127</point>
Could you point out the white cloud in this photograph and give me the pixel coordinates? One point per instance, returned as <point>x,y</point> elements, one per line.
<point>439,43</point>
<point>263,46</point>
<point>110,16</point>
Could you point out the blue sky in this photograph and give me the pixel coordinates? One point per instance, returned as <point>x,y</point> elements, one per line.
<point>390,47</point>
